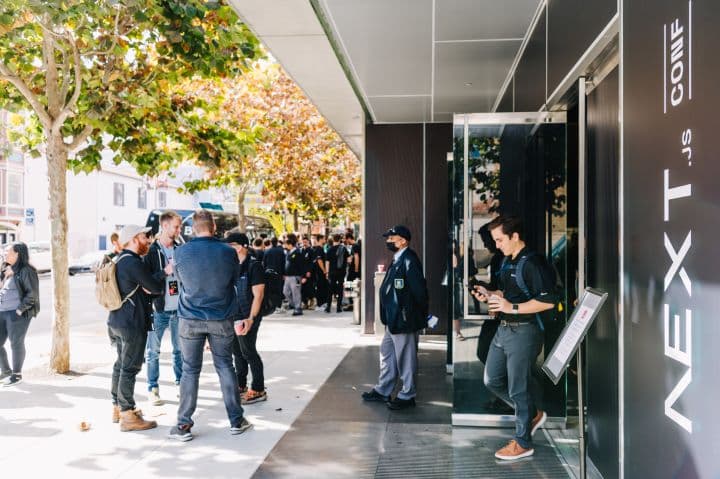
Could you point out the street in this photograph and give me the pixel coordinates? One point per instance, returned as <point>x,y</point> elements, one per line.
<point>89,346</point>
<point>84,309</point>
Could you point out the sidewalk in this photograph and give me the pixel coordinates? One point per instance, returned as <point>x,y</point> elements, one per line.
<point>39,419</point>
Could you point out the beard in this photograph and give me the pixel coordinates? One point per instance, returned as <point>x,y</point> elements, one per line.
<point>143,249</point>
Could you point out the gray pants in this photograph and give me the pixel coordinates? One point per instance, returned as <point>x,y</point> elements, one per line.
<point>292,291</point>
<point>398,359</point>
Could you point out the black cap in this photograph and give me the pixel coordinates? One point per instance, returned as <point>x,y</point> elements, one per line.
<point>398,230</point>
<point>238,238</point>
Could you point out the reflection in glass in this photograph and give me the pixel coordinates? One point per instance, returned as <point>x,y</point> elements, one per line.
<point>513,167</point>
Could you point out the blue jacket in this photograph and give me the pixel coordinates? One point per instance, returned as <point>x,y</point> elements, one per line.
<point>207,269</point>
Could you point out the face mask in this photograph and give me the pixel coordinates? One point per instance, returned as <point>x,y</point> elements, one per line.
<point>391,246</point>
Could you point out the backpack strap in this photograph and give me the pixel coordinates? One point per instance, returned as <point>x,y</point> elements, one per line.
<point>117,260</point>
<point>520,280</point>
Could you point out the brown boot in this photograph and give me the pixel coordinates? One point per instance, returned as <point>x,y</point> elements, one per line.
<point>133,421</point>
<point>116,414</point>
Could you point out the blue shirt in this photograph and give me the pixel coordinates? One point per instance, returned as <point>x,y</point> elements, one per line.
<point>207,269</point>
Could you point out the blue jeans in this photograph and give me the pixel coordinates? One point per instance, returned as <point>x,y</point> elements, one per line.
<point>152,355</point>
<point>221,336</point>
<point>511,374</point>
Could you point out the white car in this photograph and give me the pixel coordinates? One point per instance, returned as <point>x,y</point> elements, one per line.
<point>87,263</point>
<point>40,256</point>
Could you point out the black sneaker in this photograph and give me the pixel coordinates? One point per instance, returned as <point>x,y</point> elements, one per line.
<point>5,375</point>
<point>373,395</point>
<point>180,433</point>
<point>397,403</point>
<point>297,313</point>
<point>12,380</point>
<point>241,428</point>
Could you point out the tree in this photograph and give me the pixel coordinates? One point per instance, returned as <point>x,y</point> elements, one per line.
<point>97,74</point>
<point>299,161</point>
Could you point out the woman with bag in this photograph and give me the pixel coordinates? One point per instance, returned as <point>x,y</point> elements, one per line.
<point>19,303</point>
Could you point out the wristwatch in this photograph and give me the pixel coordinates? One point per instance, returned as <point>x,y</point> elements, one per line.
<point>515,309</point>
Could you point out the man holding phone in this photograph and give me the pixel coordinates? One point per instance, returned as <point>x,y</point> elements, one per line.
<point>160,261</point>
<point>510,366</point>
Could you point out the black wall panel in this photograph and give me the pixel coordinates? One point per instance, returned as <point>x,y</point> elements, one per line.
<point>394,195</point>
<point>603,272</point>
<point>672,299</point>
<point>438,143</point>
<point>530,73</point>
<point>572,27</point>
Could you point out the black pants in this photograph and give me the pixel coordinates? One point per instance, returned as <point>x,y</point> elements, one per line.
<point>246,357</point>
<point>322,289</point>
<point>14,327</point>
<point>336,290</point>
<point>130,346</point>
<point>307,290</point>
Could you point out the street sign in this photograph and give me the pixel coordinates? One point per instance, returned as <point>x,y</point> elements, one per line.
<point>30,216</point>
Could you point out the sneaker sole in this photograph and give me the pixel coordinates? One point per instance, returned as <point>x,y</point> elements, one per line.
<point>7,385</point>
<point>513,458</point>
<point>253,401</point>
<point>236,431</point>
<point>185,438</point>
<point>539,424</point>
<point>158,403</point>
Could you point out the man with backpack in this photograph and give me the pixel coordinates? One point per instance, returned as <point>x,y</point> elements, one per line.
<point>250,289</point>
<point>526,288</point>
<point>160,262</point>
<point>129,323</point>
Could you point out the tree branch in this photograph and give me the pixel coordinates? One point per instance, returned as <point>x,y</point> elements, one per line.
<point>24,89</point>
<point>80,138</point>
<point>51,77</point>
<point>70,106</point>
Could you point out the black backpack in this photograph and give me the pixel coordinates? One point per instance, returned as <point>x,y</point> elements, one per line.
<point>547,316</point>
<point>273,292</point>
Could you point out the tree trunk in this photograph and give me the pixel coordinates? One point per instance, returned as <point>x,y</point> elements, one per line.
<point>296,222</point>
<point>57,156</point>
<point>241,210</point>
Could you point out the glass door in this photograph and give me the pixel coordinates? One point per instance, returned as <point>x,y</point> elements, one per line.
<point>503,163</point>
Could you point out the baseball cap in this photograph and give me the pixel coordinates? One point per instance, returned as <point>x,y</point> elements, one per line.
<point>398,230</point>
<point>130,231</point>
<point>238,238</point>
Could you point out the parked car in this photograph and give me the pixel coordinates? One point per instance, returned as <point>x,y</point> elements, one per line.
<point>255,227</point>
<point>87,263</point>
<point>40,256</point>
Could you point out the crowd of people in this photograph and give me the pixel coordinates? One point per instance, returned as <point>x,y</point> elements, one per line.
<point>209,293</point>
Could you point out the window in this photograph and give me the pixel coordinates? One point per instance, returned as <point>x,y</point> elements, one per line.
<point>118,194</point>
<point>162,199</point>
<point>142,198</point>
<point>15,189</point>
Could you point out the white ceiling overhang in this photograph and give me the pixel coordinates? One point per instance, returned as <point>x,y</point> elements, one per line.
<point>292,32</point>
<point>401,61</point>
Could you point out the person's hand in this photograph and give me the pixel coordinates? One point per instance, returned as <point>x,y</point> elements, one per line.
<point>18,312</point>
<point>480,293</point>
<point>303,281</point>
<point>498,304</point>
<point>169,268</point>
<point>243,326</point>
<point>9,272</point>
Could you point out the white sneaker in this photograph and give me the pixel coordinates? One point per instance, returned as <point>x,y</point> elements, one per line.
<point>154,397</point>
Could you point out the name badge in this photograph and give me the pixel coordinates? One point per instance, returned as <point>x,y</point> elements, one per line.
<point>399,283</point>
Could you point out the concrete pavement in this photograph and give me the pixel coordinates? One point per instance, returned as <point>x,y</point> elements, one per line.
<point>40,418</point>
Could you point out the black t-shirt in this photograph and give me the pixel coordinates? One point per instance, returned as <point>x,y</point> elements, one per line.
<point>356,250</point>
<point>251,274</point>
<point>538,275</point>
<point>337,257</point>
